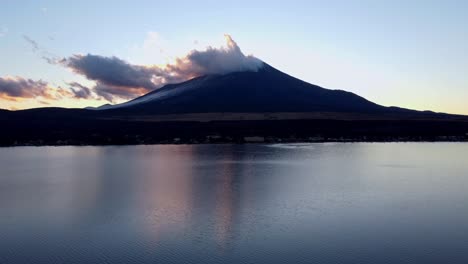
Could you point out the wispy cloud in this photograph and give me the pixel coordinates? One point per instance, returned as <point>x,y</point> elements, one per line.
<point>43,53</point>
<point>34,45</point>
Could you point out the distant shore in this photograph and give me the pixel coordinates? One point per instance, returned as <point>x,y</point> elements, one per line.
<point>58,127</point>
<point>246,140</point>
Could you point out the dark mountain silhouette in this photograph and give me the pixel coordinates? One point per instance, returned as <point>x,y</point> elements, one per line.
<point>266,105</point>
<point>267,90</point>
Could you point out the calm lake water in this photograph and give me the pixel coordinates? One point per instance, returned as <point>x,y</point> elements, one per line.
<point>298,203</point>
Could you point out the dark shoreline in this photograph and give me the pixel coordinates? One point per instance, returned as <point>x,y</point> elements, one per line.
<point>233,143</point>
<point>48,127</point>
<point>92,139</point>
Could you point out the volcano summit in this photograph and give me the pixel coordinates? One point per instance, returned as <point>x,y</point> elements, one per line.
<point>266,90</point>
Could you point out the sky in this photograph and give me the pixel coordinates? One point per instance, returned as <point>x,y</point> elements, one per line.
<point>412,54</point>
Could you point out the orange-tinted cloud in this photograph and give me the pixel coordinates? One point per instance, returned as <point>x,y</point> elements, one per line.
<point>18,88</point>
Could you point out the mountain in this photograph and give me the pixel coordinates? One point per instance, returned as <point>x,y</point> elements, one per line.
<point>267,105</point>
<point>267,90</point>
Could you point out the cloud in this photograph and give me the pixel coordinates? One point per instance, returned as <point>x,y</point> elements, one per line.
<point>111,93</point>
<point>80,91</point>
<point>116,78</point>
<point>34,45</point>
<point>45,54</point>
<point>18,88</point>
<point>111,71</point>
<point>216,61</point>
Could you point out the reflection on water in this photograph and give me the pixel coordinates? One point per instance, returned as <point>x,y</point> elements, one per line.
<point>304,203</point>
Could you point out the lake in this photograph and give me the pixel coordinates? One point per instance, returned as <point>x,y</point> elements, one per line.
<point>291,203</point>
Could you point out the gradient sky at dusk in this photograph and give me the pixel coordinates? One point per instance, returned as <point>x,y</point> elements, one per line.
<point>412,54</point>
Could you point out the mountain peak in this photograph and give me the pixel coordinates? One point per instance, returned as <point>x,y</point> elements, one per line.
<point>264,90</point>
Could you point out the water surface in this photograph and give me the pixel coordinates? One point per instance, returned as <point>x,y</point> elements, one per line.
<point>297,203</point>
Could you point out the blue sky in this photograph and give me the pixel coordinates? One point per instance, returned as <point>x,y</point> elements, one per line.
<point>411,54</point>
